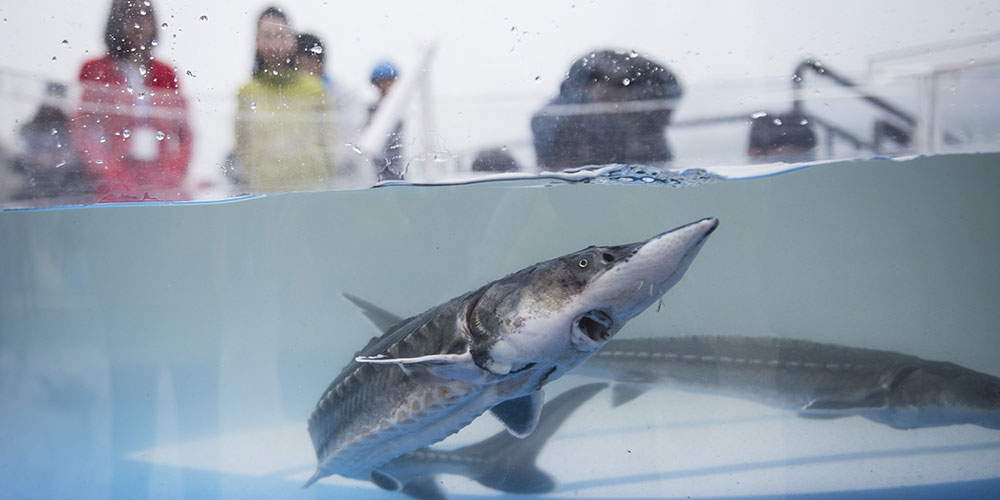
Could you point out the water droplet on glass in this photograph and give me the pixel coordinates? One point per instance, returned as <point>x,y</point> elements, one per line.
<point>142,12</point>
<point>758,114</point>
<point>538,77</point>
<point>503,148</point>
<point>143,70</point>
<point>141,96</point>
<point>803,122</point>
<point>160,135</point>
<point>972,61</point>
<point>102,139</point>
<point>53,58</point>
<point>136,26</point>
<point>126,133</point>
<point>129,89</point>
<point>189,73</point>
<point>626,81</point>
<point>164,25</point>
<point>253,106</point>
<point>60,164</point>
<point>777,121</point>
<point>64,43</point>
<point>633,54</point>
<point>203,18</point>
<point>316,49</point>
<point>54,131</point>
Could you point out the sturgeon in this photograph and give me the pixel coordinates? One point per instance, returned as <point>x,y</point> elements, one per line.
<point>814,379</point>
<point>490,349</point>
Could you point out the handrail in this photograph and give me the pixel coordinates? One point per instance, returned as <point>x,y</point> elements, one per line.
<point>817,66</point>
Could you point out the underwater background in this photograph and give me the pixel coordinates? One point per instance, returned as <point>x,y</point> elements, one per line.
<point>176,350</point>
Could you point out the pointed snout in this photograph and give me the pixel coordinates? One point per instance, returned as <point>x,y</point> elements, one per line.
<point>651,268</point>
<point>671,252</point>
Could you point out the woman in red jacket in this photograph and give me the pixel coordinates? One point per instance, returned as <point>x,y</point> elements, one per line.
<point>132,128</point>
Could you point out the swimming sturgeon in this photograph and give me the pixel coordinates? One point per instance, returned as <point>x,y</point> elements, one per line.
<point>814,379</point>
<point>490,349</point>
<point>502,462</point>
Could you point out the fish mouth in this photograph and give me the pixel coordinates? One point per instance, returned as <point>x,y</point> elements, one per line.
<point>591,328</point>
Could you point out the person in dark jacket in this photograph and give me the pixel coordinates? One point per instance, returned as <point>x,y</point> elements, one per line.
<point>613,107</point>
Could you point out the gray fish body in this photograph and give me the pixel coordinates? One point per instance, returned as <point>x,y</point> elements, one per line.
<point>815,379</point>
<point>489,349</point>
<point>502,462</point>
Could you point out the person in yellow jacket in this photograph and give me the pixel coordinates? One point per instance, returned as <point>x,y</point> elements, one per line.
<point>284,123</point>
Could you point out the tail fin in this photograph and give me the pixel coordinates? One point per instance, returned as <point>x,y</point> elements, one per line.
<point>315,477</point>
<point>510,462</point>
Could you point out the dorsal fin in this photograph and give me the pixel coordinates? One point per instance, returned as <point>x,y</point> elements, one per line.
<point>382,319</point>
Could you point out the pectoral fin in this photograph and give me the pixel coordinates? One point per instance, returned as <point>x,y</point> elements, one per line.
<point>623,393</point>
<point>449,366</point>
<point>520,415</point>
<point>832,406</point>
<point>424,488</point>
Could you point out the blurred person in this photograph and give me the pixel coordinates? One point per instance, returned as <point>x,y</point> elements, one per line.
<point>781,138</point>
<point>348,109</point>
<point>284,123</point>
<point>495,160</point>
<point>132,130</point>
<point>389,163</point>
<point>574,130</point>
<point>47,160</point>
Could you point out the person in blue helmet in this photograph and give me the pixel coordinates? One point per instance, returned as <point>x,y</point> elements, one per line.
<point>389,163</point>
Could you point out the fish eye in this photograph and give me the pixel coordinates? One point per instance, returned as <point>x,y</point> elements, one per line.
<point>584,262</point>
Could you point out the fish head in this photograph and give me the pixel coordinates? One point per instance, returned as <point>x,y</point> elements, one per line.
<point>944,394</point>
<point>559,312</point>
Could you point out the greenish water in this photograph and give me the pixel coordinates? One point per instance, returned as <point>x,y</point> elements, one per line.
<point>124,329</point>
